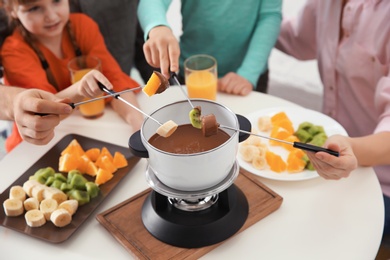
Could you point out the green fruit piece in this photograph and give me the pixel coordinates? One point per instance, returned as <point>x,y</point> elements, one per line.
<point>49,181</point>
<point>65,187</point>
<point>195,117</point>
<point>303,135</point>
<point>39,178</point>
<point>309,166</point>
<point>71,174</point>
<point>305,126</point>
<point>56,184</point>
<point>60,177</point>
<point>81,196</point>
<point>319,139</point>
<point>78,182</point>
<point>316,129</point>
<point>45,172</point>
<point>92,189</point>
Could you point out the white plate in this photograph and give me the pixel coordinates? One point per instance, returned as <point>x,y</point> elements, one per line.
<point>297,115</point>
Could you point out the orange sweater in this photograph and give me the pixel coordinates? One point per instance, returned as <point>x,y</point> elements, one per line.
<point>23,68</point>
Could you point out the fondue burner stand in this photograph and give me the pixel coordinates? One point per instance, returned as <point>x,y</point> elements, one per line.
<point>197,218</point>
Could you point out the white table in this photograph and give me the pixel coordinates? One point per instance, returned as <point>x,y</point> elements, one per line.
<point>318,219</point>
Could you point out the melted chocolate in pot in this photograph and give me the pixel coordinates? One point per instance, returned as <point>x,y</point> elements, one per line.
<point>188,139</point>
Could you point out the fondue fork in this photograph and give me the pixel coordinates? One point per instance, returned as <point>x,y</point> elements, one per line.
<point>117,96</point>
<point>303,146</point>
<point>174,76</point>
<point>74,105</point>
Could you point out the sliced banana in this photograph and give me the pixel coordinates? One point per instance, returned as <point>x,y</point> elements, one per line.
<point>70,205</point>
<point>34,218</point>
<point>13,207</point>
<point>17,192</point>
<point>47,206</point>
<point>37,192</point>
<point>167,128</point>
<point>264,123</point>
<point>28,185</point>
<point>259,162</point>
<point>54,193</point>
<point>247,152</point>
<point>61,217</point>
<point>31,203</point>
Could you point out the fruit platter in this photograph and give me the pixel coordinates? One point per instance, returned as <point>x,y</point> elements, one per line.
<point>54,168</point>
<point>281,161</point>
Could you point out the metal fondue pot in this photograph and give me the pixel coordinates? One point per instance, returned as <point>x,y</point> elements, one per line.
<point>190,172</point>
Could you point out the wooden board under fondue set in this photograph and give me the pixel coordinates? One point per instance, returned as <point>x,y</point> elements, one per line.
<point>124,221</point>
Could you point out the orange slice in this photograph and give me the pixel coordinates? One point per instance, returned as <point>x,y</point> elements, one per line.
<point>295,162</point>
<point>119,160</point>
<point>93,154</point>
<point>74,148</point>
<point>68,162</point>
<point>105,162</point>
<point>102,176</point>
<point>152,85</point>
<point>275,162</point>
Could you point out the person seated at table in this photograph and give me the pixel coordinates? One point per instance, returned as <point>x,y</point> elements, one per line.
<point>22,106</point>
<point>118,23</point>
<point>350,40</point>
<point>240,35</point>
<point>45,38</point>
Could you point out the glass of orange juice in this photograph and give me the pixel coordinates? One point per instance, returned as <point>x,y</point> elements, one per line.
<point>201,76</point>
<point>78,67</point>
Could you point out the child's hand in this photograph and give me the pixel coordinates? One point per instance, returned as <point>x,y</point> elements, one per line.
<point>88,85</point>
<point>332,167</point>
<point>162,50</point>
<point>233,83</point>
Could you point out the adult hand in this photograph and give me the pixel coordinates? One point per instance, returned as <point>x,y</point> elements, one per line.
<point>332,167</point>
<point>35,128</point>
<point>233,83</point>
<point>162,50</point>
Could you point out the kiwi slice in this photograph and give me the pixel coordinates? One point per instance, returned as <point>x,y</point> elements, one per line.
<point>195,117</point>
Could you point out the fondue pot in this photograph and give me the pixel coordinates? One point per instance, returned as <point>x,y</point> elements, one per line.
<point>189,172</point>
<point>194,202</point>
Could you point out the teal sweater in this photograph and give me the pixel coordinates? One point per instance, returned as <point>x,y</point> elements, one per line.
<point>240,34</point>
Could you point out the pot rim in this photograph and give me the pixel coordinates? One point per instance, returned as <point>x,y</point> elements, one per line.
<point>234,135</point>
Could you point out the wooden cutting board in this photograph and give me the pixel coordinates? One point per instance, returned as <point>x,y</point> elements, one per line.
<point>125,224</point>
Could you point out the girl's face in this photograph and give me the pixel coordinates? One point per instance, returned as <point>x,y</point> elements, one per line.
<point>43,18</point>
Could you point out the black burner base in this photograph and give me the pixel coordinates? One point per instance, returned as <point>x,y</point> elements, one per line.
<point>195,229</point>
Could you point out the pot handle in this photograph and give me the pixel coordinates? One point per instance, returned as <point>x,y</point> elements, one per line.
<point>136,146</point>
<point>245,125</point>
<point>138,149</point>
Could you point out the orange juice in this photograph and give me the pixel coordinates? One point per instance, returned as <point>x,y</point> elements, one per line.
<point>202,84</point>
<point>93,109</point>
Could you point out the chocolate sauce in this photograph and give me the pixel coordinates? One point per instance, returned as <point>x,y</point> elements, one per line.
<point>187,140</point>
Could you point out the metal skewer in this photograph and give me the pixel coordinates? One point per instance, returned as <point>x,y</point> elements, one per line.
<point>73,105</point>
<point>303,146</point>
<point>174,76</point>
<point>117,96</point>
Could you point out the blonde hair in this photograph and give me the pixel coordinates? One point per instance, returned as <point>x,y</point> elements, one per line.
<point>14,23</point>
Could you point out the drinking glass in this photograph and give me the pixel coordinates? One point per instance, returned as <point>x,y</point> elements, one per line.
<point>201,76</point>
<point>78,67</point>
